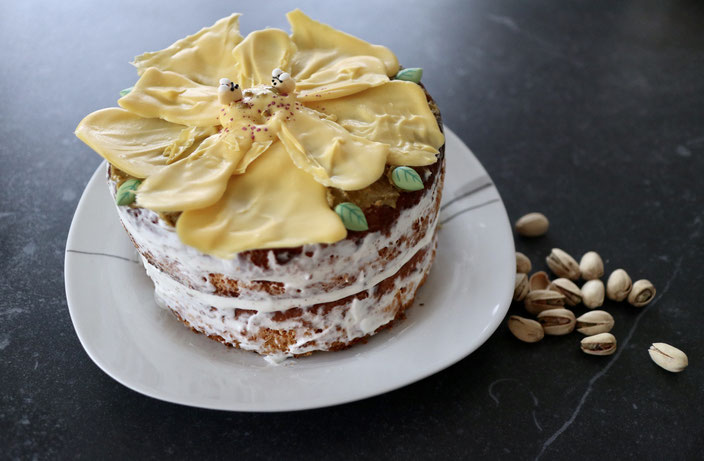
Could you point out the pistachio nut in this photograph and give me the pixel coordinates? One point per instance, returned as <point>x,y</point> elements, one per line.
<point>595,322</point>
<point>642,293</point>
<point>557,321</point>
<point>523,264</point>
<point>601,344</point>
<point>542,300</point>
<point>593,293</point>
<point>591,266</point>
<point>668,357</point>
<point>562,264</point>
<point>526,330</point>
<point>539,281</point>
<point>619,285</point>
<point>521,289</point>
<point>532,225</point>
<point>573,295</point>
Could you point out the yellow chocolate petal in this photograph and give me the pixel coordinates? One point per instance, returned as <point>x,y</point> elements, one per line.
<point>333,156</point>
<point>257,149</point>
<point>274,205</point>
<point>396,114</point>
<point>138,146</point>
<point>260,53</point>
<point>173,97</point>
<point>187,142</point>
<point>195,182</point>
<point>204,57</point>
<point>320,46</point>
<point>344,77</point>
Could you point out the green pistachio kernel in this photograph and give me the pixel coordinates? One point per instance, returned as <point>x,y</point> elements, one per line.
<point>126,91</point>
<point>406,178</point>
<point>127,192</point>
<point>352,216</point>
<point>411,74</point>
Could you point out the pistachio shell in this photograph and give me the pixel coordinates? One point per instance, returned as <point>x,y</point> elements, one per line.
<point>642,293</point>
<point>595,322</point>
<point>542,300</point>
<point>562,264</point>
<point>406,178</point>
<point>591,266</point>
<point>593,293</point>
<point>539,281</point>
<point>352,216</point>
<point>410,74</point>
<point>601,344</point>
<point>619,285</point>
<point>557,322</point>
<point>521,287</point>
<point>523,264</point>
<point>526,330</point>
<point>668,357</point>
<point>127,192</point>
<point>532,225</point>
<point>573,295</point>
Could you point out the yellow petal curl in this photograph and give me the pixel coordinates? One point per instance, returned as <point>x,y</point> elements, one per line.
<point>260,53</point>
<point>344,77</point>
<point>274,205</point>
<point>204,57</point>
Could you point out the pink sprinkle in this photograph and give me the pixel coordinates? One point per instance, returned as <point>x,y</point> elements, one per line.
<point>266,129</point>
<point>259,129</point>
<point>244,129</point>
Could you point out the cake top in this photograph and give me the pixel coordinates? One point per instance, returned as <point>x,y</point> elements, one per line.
<point>244,135</point>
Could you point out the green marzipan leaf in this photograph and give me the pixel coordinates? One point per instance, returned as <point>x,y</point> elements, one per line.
<point>127,192</point>
<point>126,91</point>
<point>412,74</point>
<point>406,178</point>
<point>352,216</point>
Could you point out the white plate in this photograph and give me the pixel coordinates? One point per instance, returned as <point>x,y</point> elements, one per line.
<point>466,296</point>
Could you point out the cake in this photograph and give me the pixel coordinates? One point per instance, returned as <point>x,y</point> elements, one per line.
<point>283,190</point>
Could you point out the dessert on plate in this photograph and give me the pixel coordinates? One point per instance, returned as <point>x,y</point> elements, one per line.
<point>282,189</point>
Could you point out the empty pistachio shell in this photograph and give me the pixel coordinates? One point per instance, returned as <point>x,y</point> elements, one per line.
<point>410,74</point>
<point>593,293</point>
<point>668,357</point>
<point>127,192</point>
<point>539,281</point>
<point>557,321</point>
<point>523,264</point>
<point>532,225</point>
<point>591,266</point>
<point>352,216</point>
<point>642,293</point>
<point>573,295</point>
<point>619,285</point>
<point>562,264</point>
<point>601,344</point>
<point>595,322</point>
<point>542,300</point>
<point>526,330</point>
<point>406,178</point>
<point>521,289</point>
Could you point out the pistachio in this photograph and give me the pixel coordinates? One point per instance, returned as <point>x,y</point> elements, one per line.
<point>642,293</point>
<point>557,321</point>
<point>591,266</point>
<point>521,288</point>
<point>542,300</point>
<point>593,293</point>
<point>595,322</point>
<point>573,295</point>
<point>539,281</point>
<point>523,264</point>
<point>601,344</point>
<point>619,285</point>
<point>532,225</point>
<point>526,330</point>
<point>668,357</point>
<point>562,264</point>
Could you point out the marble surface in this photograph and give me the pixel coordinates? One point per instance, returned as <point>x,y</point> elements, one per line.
<point>590,112</point>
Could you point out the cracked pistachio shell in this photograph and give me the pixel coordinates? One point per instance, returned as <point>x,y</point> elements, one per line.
<point>601,344</point>
<point>593,293</point>
<point>595,322</point>
<point>539,281</point>
<point>523,264</point>
<point>619,285</point>
<point>532,225</point>
<point>562,264</point>
<point>573,295</point>
<point>642,293</point>
<point>668,357</point>
<point>591,266</point>
<point>557,322</point>
<point>521,288</point>
<point>542,300</point>
<point>526,330</point>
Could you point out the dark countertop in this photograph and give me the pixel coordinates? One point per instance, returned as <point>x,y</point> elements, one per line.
<point>591,112</point>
